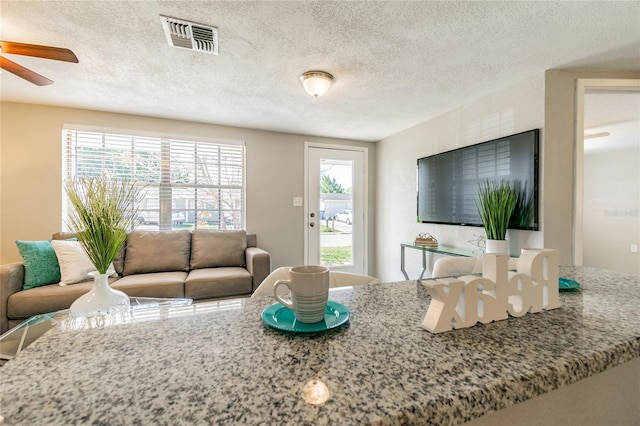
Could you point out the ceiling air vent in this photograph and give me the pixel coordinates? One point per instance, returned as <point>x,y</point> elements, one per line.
<point>189,35</point>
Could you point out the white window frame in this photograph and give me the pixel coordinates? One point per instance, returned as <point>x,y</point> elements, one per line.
<point>164,186</point>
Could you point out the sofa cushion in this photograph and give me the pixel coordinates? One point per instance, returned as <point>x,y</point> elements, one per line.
<point>45,299</point>
<point>64,236</point>
<point>40,263</point>
<point>151,251</point>
<point>118,262</point>
<point>213,248</point>
<point>217,282</point>
<point>158,284</point>
<point>75,265</point>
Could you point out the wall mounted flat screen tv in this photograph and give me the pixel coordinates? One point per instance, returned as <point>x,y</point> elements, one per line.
<point>448,182</point>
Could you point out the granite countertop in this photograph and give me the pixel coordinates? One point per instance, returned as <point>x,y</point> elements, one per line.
<point>219,364</point>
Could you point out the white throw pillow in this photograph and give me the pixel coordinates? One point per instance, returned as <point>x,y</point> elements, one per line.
<point>74,262</point>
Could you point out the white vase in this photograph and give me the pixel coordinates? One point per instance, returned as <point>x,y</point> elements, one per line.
<point>102,299</point>
<point>496,247</point>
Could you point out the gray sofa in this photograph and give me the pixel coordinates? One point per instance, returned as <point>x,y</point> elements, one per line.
<point>199,265</point>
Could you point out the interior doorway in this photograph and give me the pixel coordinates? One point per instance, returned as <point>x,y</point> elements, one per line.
<point>608,175</point>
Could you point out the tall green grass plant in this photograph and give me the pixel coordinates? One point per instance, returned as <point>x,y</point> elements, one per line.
<point>103,211</point>
<point>496,202</point>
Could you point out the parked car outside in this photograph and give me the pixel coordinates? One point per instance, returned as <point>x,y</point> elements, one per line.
<point>213,217</point>
<point>344,216</point>
<point>153,217</point>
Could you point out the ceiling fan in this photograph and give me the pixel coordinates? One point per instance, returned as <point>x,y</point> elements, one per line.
<point>35,50</point>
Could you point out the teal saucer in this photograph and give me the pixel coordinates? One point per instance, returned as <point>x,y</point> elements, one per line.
<point>282,318</point>
<point>568,285</point>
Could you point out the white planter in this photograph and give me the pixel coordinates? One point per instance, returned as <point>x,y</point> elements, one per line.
<point>102,299</point>
<point>496,247</point>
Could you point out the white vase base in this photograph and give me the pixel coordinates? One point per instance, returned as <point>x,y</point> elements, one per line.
<point>496,246</point>
<point>100,300</point>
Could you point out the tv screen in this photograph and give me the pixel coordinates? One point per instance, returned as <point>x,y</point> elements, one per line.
<point>448,182</point>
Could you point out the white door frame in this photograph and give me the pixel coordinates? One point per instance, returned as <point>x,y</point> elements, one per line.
<point>582,85</point>
<point>365,196</point>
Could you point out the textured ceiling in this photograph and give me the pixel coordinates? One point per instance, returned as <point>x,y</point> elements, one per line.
<point>396,63</point>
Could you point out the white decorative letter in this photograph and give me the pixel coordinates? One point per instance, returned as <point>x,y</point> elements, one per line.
<point>542,266</point>
<point>480,302</point>
<point>521,295</point>
<point>495,268</point>
<point>445,294</point>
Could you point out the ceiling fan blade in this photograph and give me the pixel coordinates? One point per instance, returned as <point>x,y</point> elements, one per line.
<point>23,72</point>
<point>47,52</point>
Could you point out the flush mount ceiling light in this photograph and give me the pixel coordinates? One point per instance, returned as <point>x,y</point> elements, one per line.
<point>316,83</point>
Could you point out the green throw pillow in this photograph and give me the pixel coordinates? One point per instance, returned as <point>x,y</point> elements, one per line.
<point>40,263</point>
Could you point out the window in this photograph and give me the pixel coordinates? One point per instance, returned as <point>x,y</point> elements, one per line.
<point>187,184</point>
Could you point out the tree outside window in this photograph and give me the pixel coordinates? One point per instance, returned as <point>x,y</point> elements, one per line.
<point>188,184</point>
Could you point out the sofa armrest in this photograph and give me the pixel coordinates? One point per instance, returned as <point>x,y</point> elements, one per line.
<point>11,281</point>
<point>258,265</point>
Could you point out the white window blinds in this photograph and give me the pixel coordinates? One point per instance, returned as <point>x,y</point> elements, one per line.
<point>187,184</point>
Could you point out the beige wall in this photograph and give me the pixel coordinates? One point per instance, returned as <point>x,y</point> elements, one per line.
<point>559,161</point>
<point>512,110</point>
<point>31,188</point>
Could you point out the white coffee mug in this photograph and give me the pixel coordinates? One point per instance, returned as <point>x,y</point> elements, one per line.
<point>309,287</point>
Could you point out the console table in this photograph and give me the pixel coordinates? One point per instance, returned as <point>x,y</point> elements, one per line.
<point>217,363</point>
<point>445,250</point>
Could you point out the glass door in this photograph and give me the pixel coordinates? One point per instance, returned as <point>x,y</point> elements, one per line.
<point>335,221</point>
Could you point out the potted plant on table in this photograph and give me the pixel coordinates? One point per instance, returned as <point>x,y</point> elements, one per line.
<point>496,202</point>
<point>103,210</point>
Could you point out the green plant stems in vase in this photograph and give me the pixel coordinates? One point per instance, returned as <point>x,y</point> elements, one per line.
<point>103,211</point>
<point>496,202</point>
